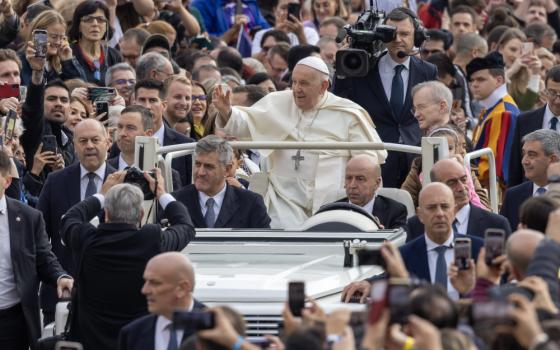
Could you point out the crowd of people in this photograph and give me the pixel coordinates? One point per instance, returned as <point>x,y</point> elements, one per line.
<point>81,79</point>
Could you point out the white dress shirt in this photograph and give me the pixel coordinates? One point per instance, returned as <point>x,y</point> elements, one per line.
<point>462,217</point>
<point>162,332</point>
<point>432,261</point>
<point>369,206</point>
<point>536,187</point>
<point>548,115</point>
<point>160,134</point>
<point>122,163</point>
<point>8,292</point>
<point>387,72</point>
<point>84,179</point>
<point>218,200</point>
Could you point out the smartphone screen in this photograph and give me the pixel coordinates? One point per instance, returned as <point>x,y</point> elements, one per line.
<point>370,257</point>
<point>377,301</point>
<point>527,49</point>
<point>40,41</point>
<point>296,297</point>
<point>494,240</point>
<point>96,94</point>
<point>100,108</point>
<point>399,302</point>
<point>294,10</point>
<point>462,248</point>
<point>10,124</point>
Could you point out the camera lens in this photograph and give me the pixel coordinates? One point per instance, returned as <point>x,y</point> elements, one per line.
<point>352,61</point>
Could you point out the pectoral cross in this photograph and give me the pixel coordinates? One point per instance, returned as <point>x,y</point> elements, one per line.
<point>297,159</point>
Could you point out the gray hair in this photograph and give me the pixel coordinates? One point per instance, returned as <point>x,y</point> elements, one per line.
<point>117,67</point>
<point>549,139</point>
<point>438,91</point>
<point>213,143</point>
<point>149,61</point>
<point>470,41</point>
<point>123,203</point>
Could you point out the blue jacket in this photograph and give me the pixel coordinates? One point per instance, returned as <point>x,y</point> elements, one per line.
<point>218,20</point>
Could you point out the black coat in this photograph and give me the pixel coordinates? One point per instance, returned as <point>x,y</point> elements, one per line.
<point>240,209</point>
<point>391,214</point>
<point>479,221</point>
<point>526,123</point>
<point>60,192</point>
<point>368,92</point>
<point>513,198</point>
<point>32,260</point>
<point>140,333</point>
<point>114,256</point>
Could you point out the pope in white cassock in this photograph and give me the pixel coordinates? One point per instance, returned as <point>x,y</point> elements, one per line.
<point>300,181</point>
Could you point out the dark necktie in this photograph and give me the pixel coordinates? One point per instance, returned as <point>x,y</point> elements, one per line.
<point>441,266</point>
<point>397,91</point>
<point>553,123</point>
<point>91,189</point>
<point>454,225</point>
<point>210,217</point>
<point>172,345</point>
<point>540,191</point>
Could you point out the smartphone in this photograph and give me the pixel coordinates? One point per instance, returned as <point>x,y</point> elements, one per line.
<point>494,241</point>
<point>49,144</point>
<point>22,93</point>
<point>370,257</point>
<point>40,40</point>
<point>462,248</point>
<point>398,299</point>
<point>296,297</point>
<point>294,9</point>
<point>196,321</point>
<point>377,300</point>
<point>68,345</point>
<point>100,108</point>
<point>9,90</point>
<point>10,124</point>
<point>491,313</point>
<point>261,342</point>
<point>527,49</point>
<point>101,93</point>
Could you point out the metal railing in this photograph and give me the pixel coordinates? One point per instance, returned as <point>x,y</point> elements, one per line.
<point>492,173</point>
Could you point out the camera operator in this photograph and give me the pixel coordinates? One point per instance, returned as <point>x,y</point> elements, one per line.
<point>385,91</point>
<point>114,254</point>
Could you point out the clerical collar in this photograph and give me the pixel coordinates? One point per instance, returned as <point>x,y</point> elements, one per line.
<point>494,97</point>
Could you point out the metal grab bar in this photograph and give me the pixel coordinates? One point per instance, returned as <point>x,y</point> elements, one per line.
<point>492,173</point>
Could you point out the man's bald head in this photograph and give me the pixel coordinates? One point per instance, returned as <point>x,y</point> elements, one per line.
<point>520,248</point>
<point>436,210</point>
<point>362,179</point>
<point>452,173</point>
<point>175,265</point>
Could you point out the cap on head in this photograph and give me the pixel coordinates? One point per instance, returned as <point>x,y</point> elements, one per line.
<point>315,63</point>
<point>156,40</point>
<point>493,60</point>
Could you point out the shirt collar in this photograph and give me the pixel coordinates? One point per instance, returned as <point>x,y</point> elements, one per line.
<point>122,163</point>
<point>369,205</point>
<point>494,97</point>
<point>463,214</point>
<point>100,172</point>
<point>390,64</point>
<point>431,245</point>
<point>536,187</point>
<point>160,133</point>
<point>3,205</point>
<point>218,198</point>
<point>548,115</point>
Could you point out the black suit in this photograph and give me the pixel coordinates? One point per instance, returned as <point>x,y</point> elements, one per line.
<point>60,192</point>
<point>368,92</point>
<point>32,261</point>
<point>240,209</point>
<point>182,164</point>
<point>140,333</point>
<point>526,123</point>
<point>114,256</point>
<point>391,214</point>
<point>175,176</point>
<point>513,198</point>
<point>479,221</point>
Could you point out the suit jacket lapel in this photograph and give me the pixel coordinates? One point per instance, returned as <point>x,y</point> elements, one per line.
<point>16,226</point>
<point>228,207</point>
<point>411,83</point>
<point>168,137</point>
<point>376,86</point>
<point>380,209</point>
<point>109,169</point>
<point>193,204</point>
<point>474,219</point>
<point>74,184</point>
<point>421,268</point>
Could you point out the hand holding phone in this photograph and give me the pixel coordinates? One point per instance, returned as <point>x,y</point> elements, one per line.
<point>527,49</point>
<point>494,242</point>
<point>40,42</point>
<point>294,9</point>
<point>462,249</point>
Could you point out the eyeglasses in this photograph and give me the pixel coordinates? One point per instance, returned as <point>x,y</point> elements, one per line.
<point>552,94</point>
<point>125,81</point>
<point>90,19</point>
<point>199,97</point>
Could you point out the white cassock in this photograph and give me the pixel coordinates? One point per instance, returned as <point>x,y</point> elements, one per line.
<point>297,188</point>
